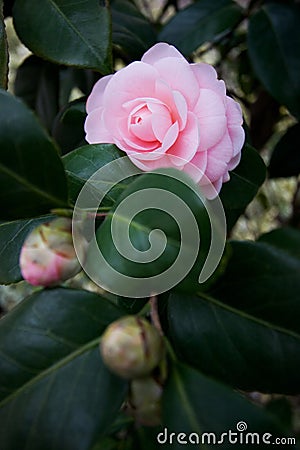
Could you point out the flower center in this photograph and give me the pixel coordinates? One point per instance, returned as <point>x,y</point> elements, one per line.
<point>141,124</point>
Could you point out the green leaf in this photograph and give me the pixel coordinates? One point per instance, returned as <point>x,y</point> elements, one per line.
<point>276,57</point>
<point>200,22</point>
<point>68,127</point>
<point>32,178</point>
<point>3,51</point>
<point>151,215</point>
<point>83,162</point>
<point>132,305</point>
<point>193,403</point>
<point>55,390</point>
<point>285,159</point>
<point>130,29</point>
<point>66,32</point>
<point>37,84</point>
<point>12,236</point>
<point>262,278</point>
<point>244,183</point>
<point>236,347</point>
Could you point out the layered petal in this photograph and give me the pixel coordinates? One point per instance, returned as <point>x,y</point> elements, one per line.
<point>234,121</point>
<point>179,76</point>
<point>211,113</point>
<point>186,145</point>
<point>207,78</point>
<point>95,128</point>
<point>160,51</point>
<point>95,99</point>
<point>218,158</point>
<point>197,166</point>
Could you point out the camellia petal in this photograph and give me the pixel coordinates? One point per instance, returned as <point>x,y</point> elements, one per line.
<point>159,51</point>
<point>161,121</point>
<point>95,100</point>
<point>95,128</point>
<point>142,84</point>
<point>218,158</point>
<point>187,143</point>
<point>162,161</point>
<point>208,78</point>
<point>163,112</point>
<point>170,137</point>
<point>180,77</point>
<point>234,162</point>
<point>234,120</point>
<point>196,168</point>
<point>210,110</point>
<point>181,108</point>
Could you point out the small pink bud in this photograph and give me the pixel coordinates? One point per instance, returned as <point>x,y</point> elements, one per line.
<point>48,256</point>
<point>131,347</point>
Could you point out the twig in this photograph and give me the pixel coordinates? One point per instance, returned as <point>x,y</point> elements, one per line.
<point>154,314</point>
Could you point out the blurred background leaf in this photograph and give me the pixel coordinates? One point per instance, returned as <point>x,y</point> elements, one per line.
<point>285,159</point>
<point>203,21</point>
<point>274,49</point>
<point>131,31</point>
<point>32,178</point>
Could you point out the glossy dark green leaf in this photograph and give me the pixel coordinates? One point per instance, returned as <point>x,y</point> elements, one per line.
<point>205,410</point>
<point>238,348</point>
<point>83,162</point>
<point>130,29</point>
<point>285,159</point>
<point>132,305</point>
<point>66,32</point>
<point>244,183</point>
<point>68,127</point>
<point>3,50</point>
<point>37,83</point>
<point>262,278</point>
<point>12,236</point>
<point>150,196</point>
<point>32,178</point>
<point>55,391</point>
<point>274,49</point>
<point>200,22</point>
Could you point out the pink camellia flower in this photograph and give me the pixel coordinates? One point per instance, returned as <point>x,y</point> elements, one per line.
<point>48,256</point>
<point>164,112</point>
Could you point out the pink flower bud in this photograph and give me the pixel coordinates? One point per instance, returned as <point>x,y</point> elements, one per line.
<point>48,256</point>
<point>131,347</point>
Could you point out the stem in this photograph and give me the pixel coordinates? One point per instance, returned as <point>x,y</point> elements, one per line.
<point>154,314</point>
<point>104,214</point>
<point>170,351</point>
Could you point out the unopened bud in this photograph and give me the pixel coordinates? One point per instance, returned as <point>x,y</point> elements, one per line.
<point>131,347</point>
<point>48,256</point>
<point>145,401</point>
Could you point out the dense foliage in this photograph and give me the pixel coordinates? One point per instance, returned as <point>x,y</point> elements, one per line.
<point>233,335</point>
